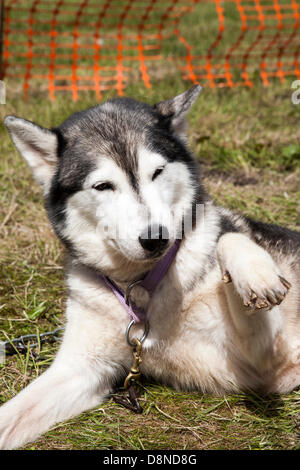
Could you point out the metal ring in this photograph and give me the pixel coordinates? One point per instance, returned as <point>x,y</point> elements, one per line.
<point>142,339</point>
<point>129,289</point>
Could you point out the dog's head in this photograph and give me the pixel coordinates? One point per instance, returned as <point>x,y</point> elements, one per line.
<point>118,178</point>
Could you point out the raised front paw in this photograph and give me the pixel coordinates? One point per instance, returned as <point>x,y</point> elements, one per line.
<point>255,275</point>
<point>261,289</point>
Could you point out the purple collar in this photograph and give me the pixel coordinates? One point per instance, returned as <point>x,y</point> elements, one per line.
<point>149,282</point>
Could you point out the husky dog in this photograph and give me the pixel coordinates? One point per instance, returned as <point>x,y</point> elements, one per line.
<point>225,317</point>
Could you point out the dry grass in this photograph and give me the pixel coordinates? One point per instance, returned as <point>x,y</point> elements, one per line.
<point>248,143</point>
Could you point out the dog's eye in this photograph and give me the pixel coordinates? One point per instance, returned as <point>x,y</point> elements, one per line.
<point>157,172</point>
<point>103,186</point>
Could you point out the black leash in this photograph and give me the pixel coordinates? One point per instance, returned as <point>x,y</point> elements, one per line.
<point>129,401</point>
<point>29,342</point>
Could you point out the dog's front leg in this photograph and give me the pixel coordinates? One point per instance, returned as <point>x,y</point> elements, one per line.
<point>254,287</point>
<point>70,386</point>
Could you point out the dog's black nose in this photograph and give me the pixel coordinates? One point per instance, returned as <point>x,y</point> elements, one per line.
<point>154,238</point>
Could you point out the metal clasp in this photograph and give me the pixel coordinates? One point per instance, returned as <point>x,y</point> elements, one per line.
<point>136,344</point>
<point>135,373</point>
<point>131,400</point>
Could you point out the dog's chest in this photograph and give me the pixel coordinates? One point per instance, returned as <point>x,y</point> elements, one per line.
<point>190,318</point>
<point>187,345</point>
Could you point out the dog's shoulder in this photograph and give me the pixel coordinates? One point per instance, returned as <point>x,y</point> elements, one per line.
<point>275,237</point>
<point>272,237</point>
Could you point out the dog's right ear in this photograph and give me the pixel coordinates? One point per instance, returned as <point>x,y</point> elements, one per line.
<point>36,144</point>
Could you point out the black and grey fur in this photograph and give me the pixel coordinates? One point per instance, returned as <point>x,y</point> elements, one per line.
<point>225,318</point>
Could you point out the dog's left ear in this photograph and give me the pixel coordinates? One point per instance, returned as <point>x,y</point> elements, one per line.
<point>176,109</point>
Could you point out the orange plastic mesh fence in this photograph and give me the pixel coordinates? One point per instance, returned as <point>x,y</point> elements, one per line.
<point>75,45</point>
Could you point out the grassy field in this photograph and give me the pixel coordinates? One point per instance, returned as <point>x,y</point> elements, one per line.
<point>248,142</point>
<point>249,146</point>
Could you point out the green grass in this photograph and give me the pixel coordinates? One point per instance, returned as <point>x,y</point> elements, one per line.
<point>248,142</point>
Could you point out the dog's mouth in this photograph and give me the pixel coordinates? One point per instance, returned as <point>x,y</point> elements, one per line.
<point>140,255</point>
<point>157,254</point>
